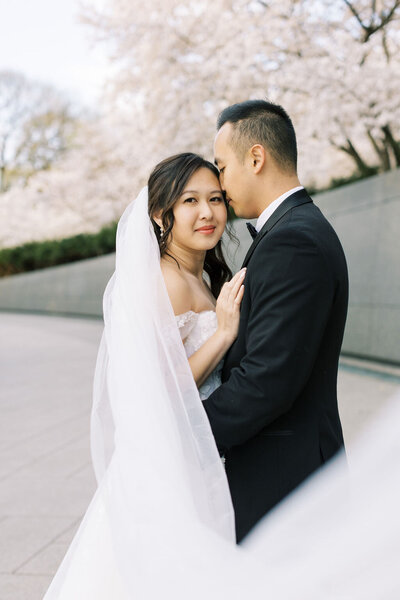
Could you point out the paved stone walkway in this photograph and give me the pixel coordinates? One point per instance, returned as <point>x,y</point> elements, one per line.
<point>46,480</point>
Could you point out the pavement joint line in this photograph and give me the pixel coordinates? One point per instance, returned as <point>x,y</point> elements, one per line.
<point>40,550</point>
<point>54,451</point>
<point>41,574</point>
<point>22,575</point>
<point>44,431</point>
<point>39,458</point>
<point>73,524</point>
<point>50,313</point>
<point>82,468</point>
<point>41,517</point>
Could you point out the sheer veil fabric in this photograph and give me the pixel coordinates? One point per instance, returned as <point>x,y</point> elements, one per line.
<point>161,523</point>
<point>160,477</point>
<point>146,411</point>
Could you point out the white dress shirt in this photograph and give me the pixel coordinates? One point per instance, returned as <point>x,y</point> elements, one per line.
<point>265,215</point>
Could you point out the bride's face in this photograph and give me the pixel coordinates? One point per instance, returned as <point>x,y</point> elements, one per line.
<point>199,213</point>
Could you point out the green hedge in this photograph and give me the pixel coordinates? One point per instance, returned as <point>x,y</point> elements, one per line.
<point>38,255</point>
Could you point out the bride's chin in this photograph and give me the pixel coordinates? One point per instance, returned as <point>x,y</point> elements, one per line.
<point>201,242</point>
<point>208,244</point>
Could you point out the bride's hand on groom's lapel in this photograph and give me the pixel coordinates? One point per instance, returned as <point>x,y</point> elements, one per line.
<point>228,306</point>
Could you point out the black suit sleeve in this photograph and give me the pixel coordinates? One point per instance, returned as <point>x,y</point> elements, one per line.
<point>291,294</point>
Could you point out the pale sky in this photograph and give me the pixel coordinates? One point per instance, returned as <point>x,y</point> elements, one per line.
<point>44,40</point>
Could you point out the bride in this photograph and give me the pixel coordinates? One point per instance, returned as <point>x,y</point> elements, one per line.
<point>162,489</point>
<point>189,218</point>
<point>161,522</point>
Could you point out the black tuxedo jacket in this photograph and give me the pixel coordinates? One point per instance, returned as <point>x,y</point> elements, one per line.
<point>275,416</point>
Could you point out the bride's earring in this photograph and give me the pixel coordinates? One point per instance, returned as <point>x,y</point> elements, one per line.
<point>161,231</point>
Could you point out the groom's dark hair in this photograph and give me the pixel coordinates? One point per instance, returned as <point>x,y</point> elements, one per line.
<point>261,122</point>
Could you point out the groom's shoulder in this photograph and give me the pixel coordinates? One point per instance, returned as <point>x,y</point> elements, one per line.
<point>305,221</point>
<point>299,223</point>
<point>303,226</point>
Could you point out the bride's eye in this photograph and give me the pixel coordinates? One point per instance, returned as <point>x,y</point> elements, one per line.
<point>216,199</point>
<point>190,200</point>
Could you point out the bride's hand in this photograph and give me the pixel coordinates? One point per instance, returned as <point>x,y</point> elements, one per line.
<point>228,306</point>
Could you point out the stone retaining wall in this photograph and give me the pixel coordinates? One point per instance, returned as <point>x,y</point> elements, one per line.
<point>366,216</point>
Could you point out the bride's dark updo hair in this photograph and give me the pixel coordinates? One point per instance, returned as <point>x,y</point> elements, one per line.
<point>166,184</point>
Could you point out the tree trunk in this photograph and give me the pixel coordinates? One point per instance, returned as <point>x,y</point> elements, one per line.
<point>381,150</point>
<point>2,185</point>
<point>393,145</point>
<point>362,166</point>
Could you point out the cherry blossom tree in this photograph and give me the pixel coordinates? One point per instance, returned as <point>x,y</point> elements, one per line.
<point>356,78</point>
<point>36,124</point>
<point>333,65</point>
<point>87,189</point>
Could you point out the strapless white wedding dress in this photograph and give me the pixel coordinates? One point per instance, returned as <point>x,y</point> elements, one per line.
<point>195,329</point>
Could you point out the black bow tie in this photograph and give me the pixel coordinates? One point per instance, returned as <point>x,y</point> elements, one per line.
<point>252,230</point>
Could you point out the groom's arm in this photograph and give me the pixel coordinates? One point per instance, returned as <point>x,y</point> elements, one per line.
<point>291,291</point>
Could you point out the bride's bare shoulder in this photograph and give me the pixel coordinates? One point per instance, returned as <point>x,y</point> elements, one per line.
<point>178,289</point>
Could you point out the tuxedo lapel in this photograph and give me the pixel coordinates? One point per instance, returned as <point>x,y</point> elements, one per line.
<point>296,199</point>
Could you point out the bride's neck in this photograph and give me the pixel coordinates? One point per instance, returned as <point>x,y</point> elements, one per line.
<point>189,260</point>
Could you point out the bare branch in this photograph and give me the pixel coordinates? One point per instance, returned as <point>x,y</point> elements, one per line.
<point>377,21</point>
<point>355,13</point>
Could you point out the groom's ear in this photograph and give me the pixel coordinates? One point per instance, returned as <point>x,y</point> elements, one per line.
<point>257,156</point>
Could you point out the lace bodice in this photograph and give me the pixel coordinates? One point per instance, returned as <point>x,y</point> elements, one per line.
<point>195,329</point>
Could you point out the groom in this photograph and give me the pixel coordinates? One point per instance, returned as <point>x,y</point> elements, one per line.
<point>275,416</point>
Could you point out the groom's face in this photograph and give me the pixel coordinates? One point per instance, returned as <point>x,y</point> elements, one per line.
<point>235,175</point>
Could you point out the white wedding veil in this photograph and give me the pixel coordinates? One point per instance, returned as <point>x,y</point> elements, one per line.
<point>147,413</point>
<point>161,523</point>
<point>160,477</point>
